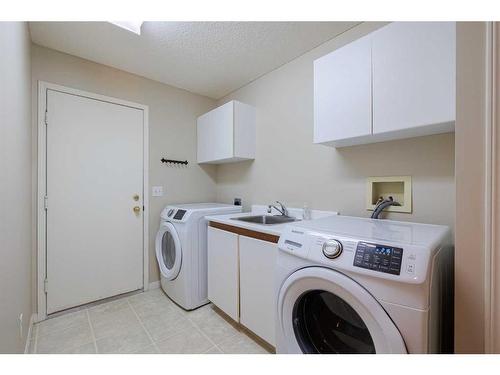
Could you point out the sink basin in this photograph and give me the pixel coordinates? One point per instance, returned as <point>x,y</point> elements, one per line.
<point>266,219</point>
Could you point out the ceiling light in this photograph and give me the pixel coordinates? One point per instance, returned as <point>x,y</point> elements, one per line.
<point>132,26</point>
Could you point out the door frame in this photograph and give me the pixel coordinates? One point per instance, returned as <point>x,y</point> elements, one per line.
<point>492,189</point>
<point>41,236</point>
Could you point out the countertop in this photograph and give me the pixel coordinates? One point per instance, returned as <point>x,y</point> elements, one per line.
<point>274,229</point>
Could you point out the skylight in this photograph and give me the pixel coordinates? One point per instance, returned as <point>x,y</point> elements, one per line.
<point>132,26</point>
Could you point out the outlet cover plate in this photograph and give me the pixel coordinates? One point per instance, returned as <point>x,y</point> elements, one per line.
<point>157,191</point>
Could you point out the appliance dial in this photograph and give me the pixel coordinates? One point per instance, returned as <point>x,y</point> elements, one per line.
<point>332,249</point>
<point>170,212</point>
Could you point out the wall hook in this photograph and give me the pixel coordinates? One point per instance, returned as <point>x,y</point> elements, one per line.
<point>170,161</point>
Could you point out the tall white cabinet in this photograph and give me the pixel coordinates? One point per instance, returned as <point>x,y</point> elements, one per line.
<point>227,134</point>
<point>396,82</point>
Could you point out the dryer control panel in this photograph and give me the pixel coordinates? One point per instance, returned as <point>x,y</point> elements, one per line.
<point>377,257</point>
<point>402,262</point>
<point>179,214</point>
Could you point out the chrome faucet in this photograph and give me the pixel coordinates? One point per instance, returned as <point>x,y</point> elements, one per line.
<point>382,204</point>
<point>282,210</point>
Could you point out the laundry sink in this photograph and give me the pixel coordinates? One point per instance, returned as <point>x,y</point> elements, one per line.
<point>266,219</point>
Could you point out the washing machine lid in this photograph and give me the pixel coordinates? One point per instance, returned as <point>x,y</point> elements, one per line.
<point>324,311</point>
<point>168,251</point>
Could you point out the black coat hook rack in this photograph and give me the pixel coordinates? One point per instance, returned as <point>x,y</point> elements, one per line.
<point>170,161</point>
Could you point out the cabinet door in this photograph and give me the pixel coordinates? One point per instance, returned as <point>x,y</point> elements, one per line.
<point>215,134</point>
<point>223,283</point>
<point>244,131</point>
<point>257,286</point>
<point>342,93</point>
<point>413,75</point>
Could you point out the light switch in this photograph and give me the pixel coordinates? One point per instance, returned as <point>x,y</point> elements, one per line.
<point>157,191</point>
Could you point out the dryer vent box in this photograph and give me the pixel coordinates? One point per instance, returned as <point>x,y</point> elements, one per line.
<point>399,188</point>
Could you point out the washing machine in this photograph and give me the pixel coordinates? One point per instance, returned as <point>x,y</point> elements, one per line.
<point>355,285</point>
<point>181,251</point>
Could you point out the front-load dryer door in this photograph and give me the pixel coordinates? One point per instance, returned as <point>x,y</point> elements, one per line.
<point>168,251</point>
<point>323,311</point>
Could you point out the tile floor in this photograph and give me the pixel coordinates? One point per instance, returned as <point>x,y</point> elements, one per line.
<point>143,323</point>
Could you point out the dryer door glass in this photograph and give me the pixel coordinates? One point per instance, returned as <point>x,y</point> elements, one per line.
<point>168,250</point>
<point>325,323</point>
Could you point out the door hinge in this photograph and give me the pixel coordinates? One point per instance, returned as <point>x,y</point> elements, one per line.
<point>46,202</point>
<point>46,118</point>
<point>45,285</point>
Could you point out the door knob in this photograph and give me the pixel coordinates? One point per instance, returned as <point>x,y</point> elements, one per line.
<point>135,197</point>
<point>137,209</point>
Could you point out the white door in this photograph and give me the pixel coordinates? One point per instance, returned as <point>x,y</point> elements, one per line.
<point>323,311</point>
<point>342,93</point>
<point>168,251</point>
<point>94,182</point>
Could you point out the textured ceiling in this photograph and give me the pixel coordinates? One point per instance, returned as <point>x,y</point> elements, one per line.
<point>208,58</point>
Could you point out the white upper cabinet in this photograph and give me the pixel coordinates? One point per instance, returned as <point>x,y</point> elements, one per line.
<point>396,82</point>
<point>343,93</point>
<point>414,77</point>
<point>227,134</point>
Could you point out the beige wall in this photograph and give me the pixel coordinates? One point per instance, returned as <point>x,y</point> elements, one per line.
<point>470,187</point>
<point>15,186</point>
<point>289,167</point>
<point>172,126</point>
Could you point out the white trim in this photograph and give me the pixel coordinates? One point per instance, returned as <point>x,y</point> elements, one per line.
<point>489,199</point>
<point>41,184</point>
<point>154,285</point>
<point>495,246</point>
<point>41,225</point>
<point>492,254</point>
<point>145,195</point>
<point>28,336</point>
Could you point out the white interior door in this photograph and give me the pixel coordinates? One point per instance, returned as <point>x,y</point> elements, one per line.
<point>94,181</point>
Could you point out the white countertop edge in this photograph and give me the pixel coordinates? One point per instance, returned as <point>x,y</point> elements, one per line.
<point>275,229</point>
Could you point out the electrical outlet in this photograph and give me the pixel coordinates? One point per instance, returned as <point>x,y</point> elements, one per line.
<point>20,324</point>
<point>157,191</point>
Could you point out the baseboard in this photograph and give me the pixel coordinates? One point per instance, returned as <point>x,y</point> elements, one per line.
<point>28,336</point>
<point>154,285</point>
